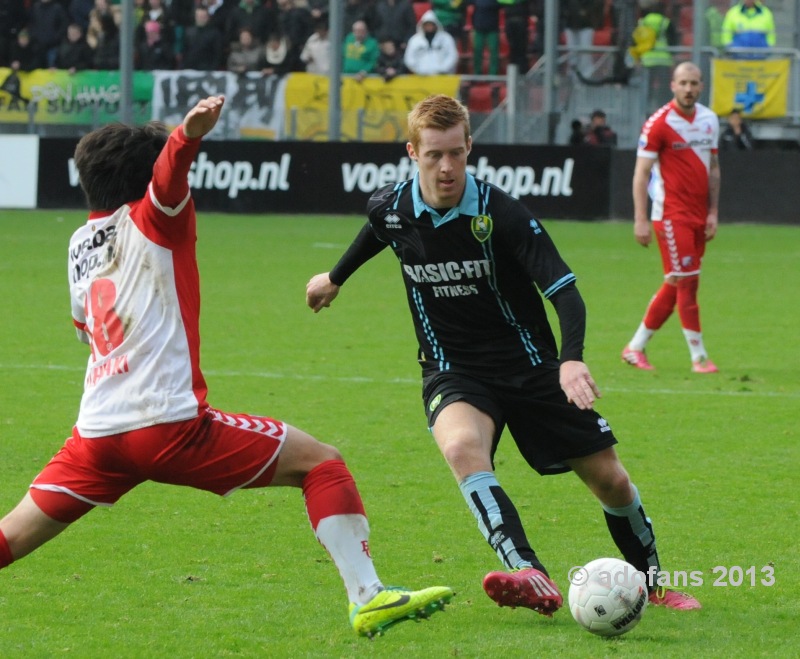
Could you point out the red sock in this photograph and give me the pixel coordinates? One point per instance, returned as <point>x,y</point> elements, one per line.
<point>660,307</point>
<point>688,309</point>
<point>329,489</point>
<point>6,558</point>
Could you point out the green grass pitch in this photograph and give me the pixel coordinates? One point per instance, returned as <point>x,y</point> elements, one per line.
<point>171,572</point>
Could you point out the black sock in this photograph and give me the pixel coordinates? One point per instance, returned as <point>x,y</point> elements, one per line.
<point>499,521</point>
<point>633,534</point>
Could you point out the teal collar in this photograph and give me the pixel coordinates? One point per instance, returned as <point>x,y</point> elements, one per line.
<point>467,206</point>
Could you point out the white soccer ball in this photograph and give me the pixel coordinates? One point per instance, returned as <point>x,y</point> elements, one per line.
<point>607,596</point>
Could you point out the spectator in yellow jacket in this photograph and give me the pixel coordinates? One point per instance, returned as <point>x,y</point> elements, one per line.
<point>749,24</point>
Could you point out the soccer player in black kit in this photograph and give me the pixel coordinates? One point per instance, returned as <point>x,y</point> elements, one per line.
<point>472,258</point>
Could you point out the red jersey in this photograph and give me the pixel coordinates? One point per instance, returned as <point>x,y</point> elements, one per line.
<point>135,291</point>
<point>683,146</point>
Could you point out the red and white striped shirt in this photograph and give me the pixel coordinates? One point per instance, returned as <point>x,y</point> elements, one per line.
<point>135,291</point>
<point>683,146</point>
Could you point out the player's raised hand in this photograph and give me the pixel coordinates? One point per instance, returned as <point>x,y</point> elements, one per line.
<point>320,292</point>
<point>202,117</point>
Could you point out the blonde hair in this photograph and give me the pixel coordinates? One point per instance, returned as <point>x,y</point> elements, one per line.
<point>440,112</point>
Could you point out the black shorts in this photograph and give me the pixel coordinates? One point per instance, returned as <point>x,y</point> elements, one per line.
<point>546,428</point>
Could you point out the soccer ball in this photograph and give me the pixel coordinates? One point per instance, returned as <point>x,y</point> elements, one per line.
<point>607,596</point>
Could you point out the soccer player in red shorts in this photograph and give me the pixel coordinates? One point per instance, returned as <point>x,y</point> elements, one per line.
<point>135,292</point>
<point>677,164</point>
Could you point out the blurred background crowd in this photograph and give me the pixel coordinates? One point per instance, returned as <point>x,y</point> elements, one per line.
<point>479,37</point>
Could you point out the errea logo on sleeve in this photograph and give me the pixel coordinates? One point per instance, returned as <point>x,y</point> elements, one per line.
<point>392,221</point>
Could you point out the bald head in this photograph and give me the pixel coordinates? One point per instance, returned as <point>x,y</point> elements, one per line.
<point>687,69</point>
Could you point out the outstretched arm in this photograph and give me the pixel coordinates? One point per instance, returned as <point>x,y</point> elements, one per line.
<point>170,185</point>
<point>323,288</point>
<point>199,121</point>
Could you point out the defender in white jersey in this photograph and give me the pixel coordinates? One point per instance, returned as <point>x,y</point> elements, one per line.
<point>135,291</point>
<point>677,165</point>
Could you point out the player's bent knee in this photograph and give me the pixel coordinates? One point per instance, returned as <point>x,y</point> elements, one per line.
<point>607,478</point>
<point>614,489</point>
<point>621,487</point>
<point>328,452</point>
<point>300,454</point>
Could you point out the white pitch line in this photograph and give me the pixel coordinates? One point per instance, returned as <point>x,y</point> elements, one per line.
<point>312,378</point>
<point>230,374</point>
<point>328,246</point>
<point>414,381</point>
<point>677,392</point>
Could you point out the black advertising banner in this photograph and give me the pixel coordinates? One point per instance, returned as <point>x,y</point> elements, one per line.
<point>306,177</point>
<point>58,178</point>
<point>338,178</point>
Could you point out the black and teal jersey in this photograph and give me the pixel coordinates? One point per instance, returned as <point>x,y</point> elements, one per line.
<point>471,275</point>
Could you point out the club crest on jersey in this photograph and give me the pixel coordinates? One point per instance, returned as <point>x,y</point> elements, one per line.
<point>482,227</point>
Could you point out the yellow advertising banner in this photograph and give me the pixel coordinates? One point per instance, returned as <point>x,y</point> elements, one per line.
<point>52,96</point>
<point>373,110</point>
<point>758,88</point>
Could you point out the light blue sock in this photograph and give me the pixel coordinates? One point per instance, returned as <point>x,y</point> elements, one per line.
<point>498,520</point>
<point>633,534</point>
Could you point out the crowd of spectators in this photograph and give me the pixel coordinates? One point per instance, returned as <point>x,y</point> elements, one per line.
<point>271,36</point>
<point>381,37</point>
